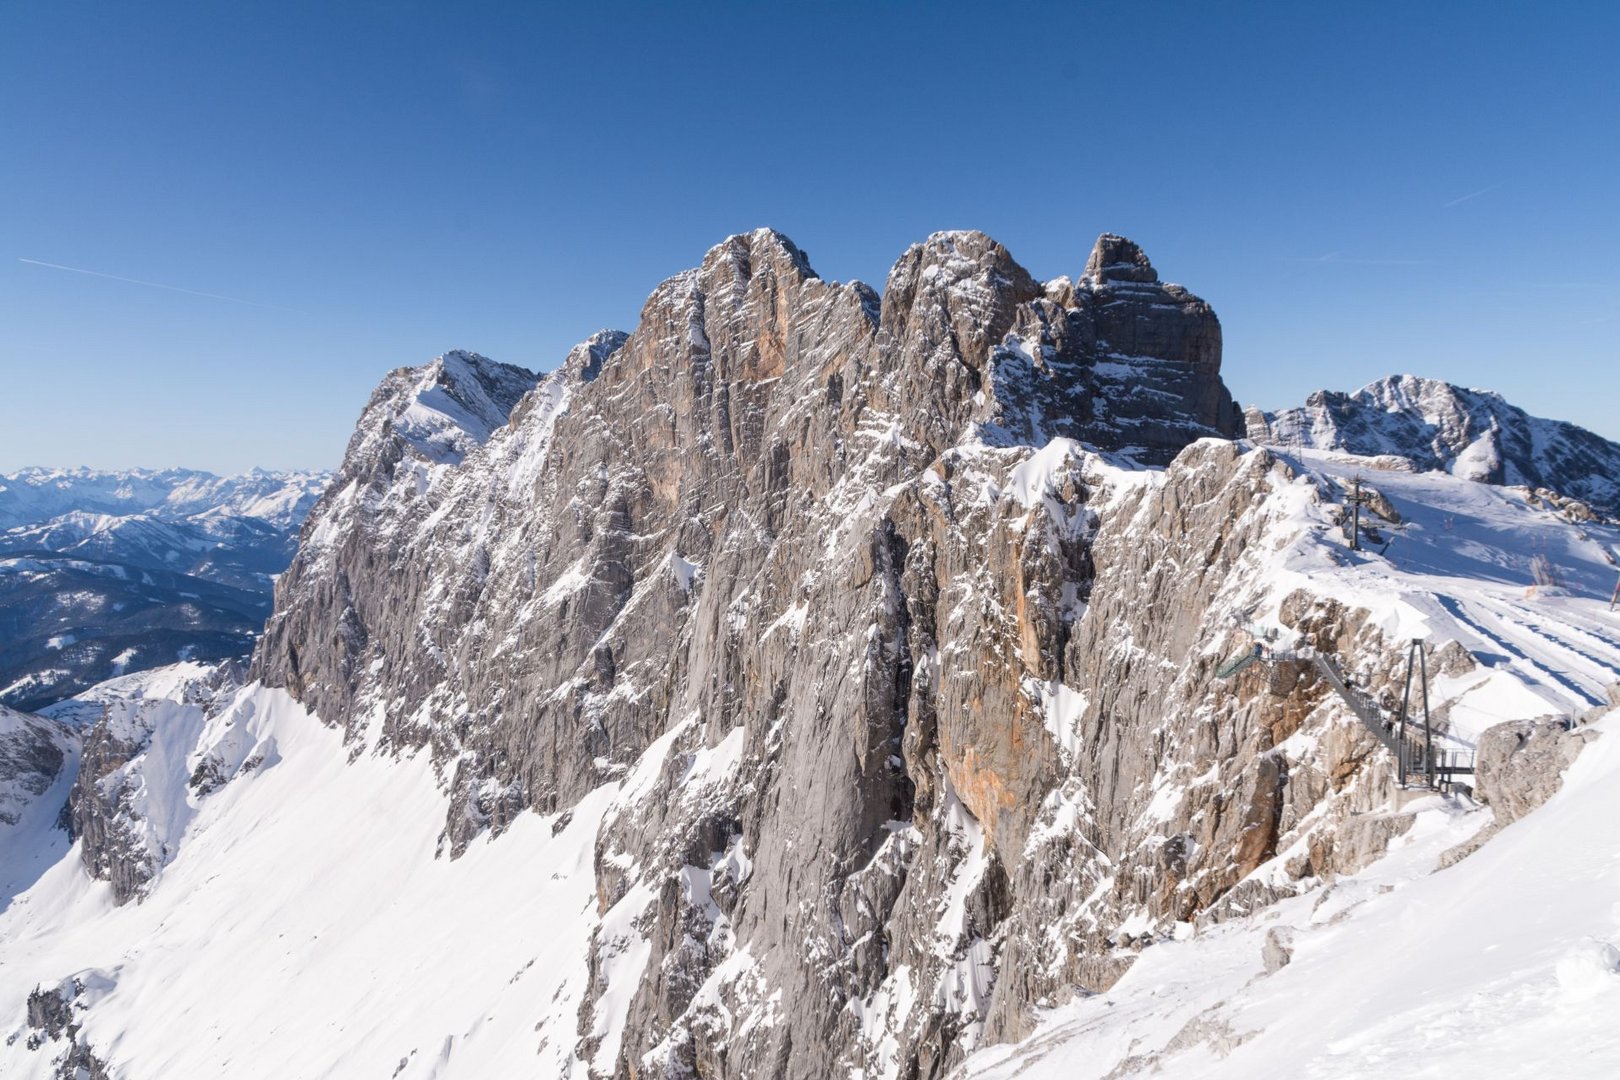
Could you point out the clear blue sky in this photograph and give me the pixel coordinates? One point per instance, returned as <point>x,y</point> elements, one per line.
<point>1359,189</point>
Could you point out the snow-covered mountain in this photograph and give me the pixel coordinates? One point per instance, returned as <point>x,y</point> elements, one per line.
<point>120,571</point>
<point>1469,433</point>
<point>816,682</point>
<point>280,499</point>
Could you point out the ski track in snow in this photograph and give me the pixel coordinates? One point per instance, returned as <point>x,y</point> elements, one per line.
<point>1458,567</point>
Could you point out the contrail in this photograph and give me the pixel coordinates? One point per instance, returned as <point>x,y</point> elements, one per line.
<point>156,285</point>
<point>1471,195</point>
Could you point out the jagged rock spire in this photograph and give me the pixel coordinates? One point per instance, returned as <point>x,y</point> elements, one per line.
<point>584,361</point>
<point>1114,258</point>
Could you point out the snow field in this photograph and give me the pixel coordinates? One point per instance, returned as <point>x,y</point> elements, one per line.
<point>306,929</point>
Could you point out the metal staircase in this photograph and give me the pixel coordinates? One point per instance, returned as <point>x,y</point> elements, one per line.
<point>1417,757</point>
<point>1365,708</point>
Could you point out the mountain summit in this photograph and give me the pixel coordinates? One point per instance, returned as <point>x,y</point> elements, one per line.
<point>783,517</point>
<point>1474,434</point>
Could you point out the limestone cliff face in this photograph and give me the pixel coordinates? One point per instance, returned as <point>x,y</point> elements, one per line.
<point>902,658</point>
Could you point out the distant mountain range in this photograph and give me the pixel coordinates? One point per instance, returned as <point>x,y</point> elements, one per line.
<point>104,573</point>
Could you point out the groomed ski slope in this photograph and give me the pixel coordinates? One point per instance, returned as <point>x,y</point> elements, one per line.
<point>1458,567</point>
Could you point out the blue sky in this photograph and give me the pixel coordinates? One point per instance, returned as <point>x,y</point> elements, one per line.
<point>1358,189</point>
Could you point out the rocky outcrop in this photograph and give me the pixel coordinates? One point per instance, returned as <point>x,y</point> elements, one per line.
<point>137,735</point>
<point>1180,797</point>
<point>33,752</point>
<point>54,1020</point>
<point>1474,434</point>
<point>1277,951</point>
<point>1520,764</point>
<point>114,847</point>
<point>903,665</point>
<point>755,403</point>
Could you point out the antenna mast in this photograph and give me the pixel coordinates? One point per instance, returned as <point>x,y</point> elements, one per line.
<point>1355,501</point>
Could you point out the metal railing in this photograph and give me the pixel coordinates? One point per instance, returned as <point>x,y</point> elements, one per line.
<point>1417,755</point>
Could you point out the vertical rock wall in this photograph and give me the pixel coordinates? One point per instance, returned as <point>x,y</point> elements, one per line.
<point>903,663</point>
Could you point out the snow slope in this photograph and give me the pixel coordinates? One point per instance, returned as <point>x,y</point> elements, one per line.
<point>306,929</point>
<point>1461,566</point>
<point>1504,965</point>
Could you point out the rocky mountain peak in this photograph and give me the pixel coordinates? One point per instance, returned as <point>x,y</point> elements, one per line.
<point>437,412</point>
<point>584,360</point>
<point>1114,258</point>
<point>1428,397</point>
<point>460,396</point>
<point>762,248</point>
<point>770,520</point>
<point>752,311</point>
<point>1470,433</point>
<point>954,296</point>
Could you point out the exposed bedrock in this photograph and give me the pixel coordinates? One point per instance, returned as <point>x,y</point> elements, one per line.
<point>905,664</point>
